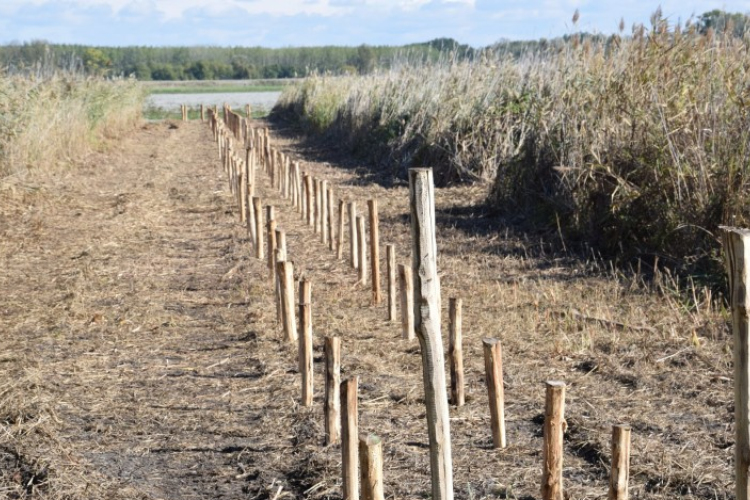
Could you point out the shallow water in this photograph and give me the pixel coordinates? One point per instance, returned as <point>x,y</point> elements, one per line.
<point>257,100</point>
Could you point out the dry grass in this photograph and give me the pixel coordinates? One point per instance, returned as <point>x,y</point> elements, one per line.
<point>47,123</point>
<point>143,359</point>
<point>635,145</point>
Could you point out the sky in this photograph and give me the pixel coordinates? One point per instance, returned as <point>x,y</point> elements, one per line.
<point>285,23</point>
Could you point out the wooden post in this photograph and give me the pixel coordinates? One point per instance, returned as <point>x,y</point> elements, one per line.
<point>736,244</point>
<point>455,352</point>
<point>331,214</point>
<point>324,211</point>
<point>552,452</point>
<point>310,202</point>
<point>281,256</point>
<point>340,235</point>
<point>203,113</point>
<point>305,342</point>
<point>305,202</point>
<point>353,252</point>
<point>332,408</point>
<point>286,285</point>
<point>258,208</point>
<point>362,249</point>
<point>390,260</point>
<point>407,301</point>
<point>349,433</point>
<point>372,205</point>
<point>318,207</point>
<point>427,326</point>
<point>618,479</point>
<point>242,179</point>
<point>271,234</point>
<point>371,467</point>
<point>493,367</point>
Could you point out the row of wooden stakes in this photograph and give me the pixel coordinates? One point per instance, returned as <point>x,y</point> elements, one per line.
<point>313,198</point>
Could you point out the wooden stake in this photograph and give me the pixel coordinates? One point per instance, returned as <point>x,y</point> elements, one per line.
<point>340,235</point>
<point>427,326</point>
<point>286,285</point>
<point>371,467</point>
<point>258,208</point>
<point>305,198</point>
<point>407,301</point>
<point>736,244</point>
<point>332,408</point>
<point>372,205</point>
<point>455,352</point>
<point>493,367</point>
<point>281,256</point>
<point>271,234</point>
<point>309,191</point>
<point>324,211</point>
<point>390,259</point>
<point>349,432</point>
<point>203,114</point>
<point>305,342</point>
<point>362,249</point>
<point>331,214</point>
<point>242,179</point>
<point>618,478</point>
<point>353,252</point>
<point>318,207</point>
<point>552,452</point>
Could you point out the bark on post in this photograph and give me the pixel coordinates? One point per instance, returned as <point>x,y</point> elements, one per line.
<point>427,326</point>
<point>318,207</point>
<point>618,479</point>
<point>305,342</point>
<point>455,352</point>
<point>353,252</point>
<point>258,208</point>
<point>305,202</point>
<point>372,206</point>
<point>736,244</point>
<point>349,435</point>
<point>340,235</point>
<point>390,259</point>
<point>281,256</point>
<point>243,193</point>
<point>552,452</point>
<point>310,202</point>
<point>362,251</point>
<point>332,408</point>
<point>493,367</point>
<point>407,302</point>
<point>286,285</point>
<point>371,467</point>
<point>324,211</point>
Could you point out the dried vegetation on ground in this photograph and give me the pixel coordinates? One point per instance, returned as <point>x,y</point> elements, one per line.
<point>141,356</point>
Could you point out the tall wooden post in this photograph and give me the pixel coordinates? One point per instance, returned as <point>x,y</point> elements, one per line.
<point>318,207</point>
<point>280,257</point>
<point>286,285</point>
<point>305,194</point>
<point>310,202</point>
<point>203,113</point>
<point>371,467</point>
<point>305,342</point>
<point>372,206</point>
<point>427,326</point>
<point>552,452</point>
<point>620,472</point>
<point>332,408</point>
<point>737,259</point>
<point>455,351</point>
<point>390,260</point>
<point>353,252</point>
<point>330,213</point>
<point>271,234</point>
<point>407,302</point>
<point>258,208</point>
<point>493,367</point>
<point>340,235</point>
<point>324,211</point>
<point>349,436</point>
<point>361,250</point>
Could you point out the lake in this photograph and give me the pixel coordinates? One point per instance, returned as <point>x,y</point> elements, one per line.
<point>172,102</point>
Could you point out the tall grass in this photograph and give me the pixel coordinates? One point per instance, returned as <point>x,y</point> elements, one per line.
<point>637,145</point>
<point>49,121</point>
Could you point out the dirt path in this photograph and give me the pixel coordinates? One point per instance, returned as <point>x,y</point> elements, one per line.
<point>142,358</point>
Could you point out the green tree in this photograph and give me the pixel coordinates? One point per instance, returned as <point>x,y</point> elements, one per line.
<point>720,21</point>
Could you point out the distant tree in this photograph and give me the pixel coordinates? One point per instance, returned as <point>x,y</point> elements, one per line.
<point>96,61</point>
<point>720,22</point>
<point>365,60</point>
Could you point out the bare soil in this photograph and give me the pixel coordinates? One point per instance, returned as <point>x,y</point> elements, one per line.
<point>141,357</point>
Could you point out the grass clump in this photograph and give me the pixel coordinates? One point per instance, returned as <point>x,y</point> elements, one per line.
<point>45,122</point>
<point>637,145</point>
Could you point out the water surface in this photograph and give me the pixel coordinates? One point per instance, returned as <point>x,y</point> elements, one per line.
<point>257,100</point>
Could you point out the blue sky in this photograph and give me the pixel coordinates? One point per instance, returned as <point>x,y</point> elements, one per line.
<point>280,23</point>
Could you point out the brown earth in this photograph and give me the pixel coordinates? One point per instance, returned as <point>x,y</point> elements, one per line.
<point>142,359</point>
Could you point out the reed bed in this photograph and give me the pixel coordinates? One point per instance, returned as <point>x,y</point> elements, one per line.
<point>49,122</point>
<point>636,145</point>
